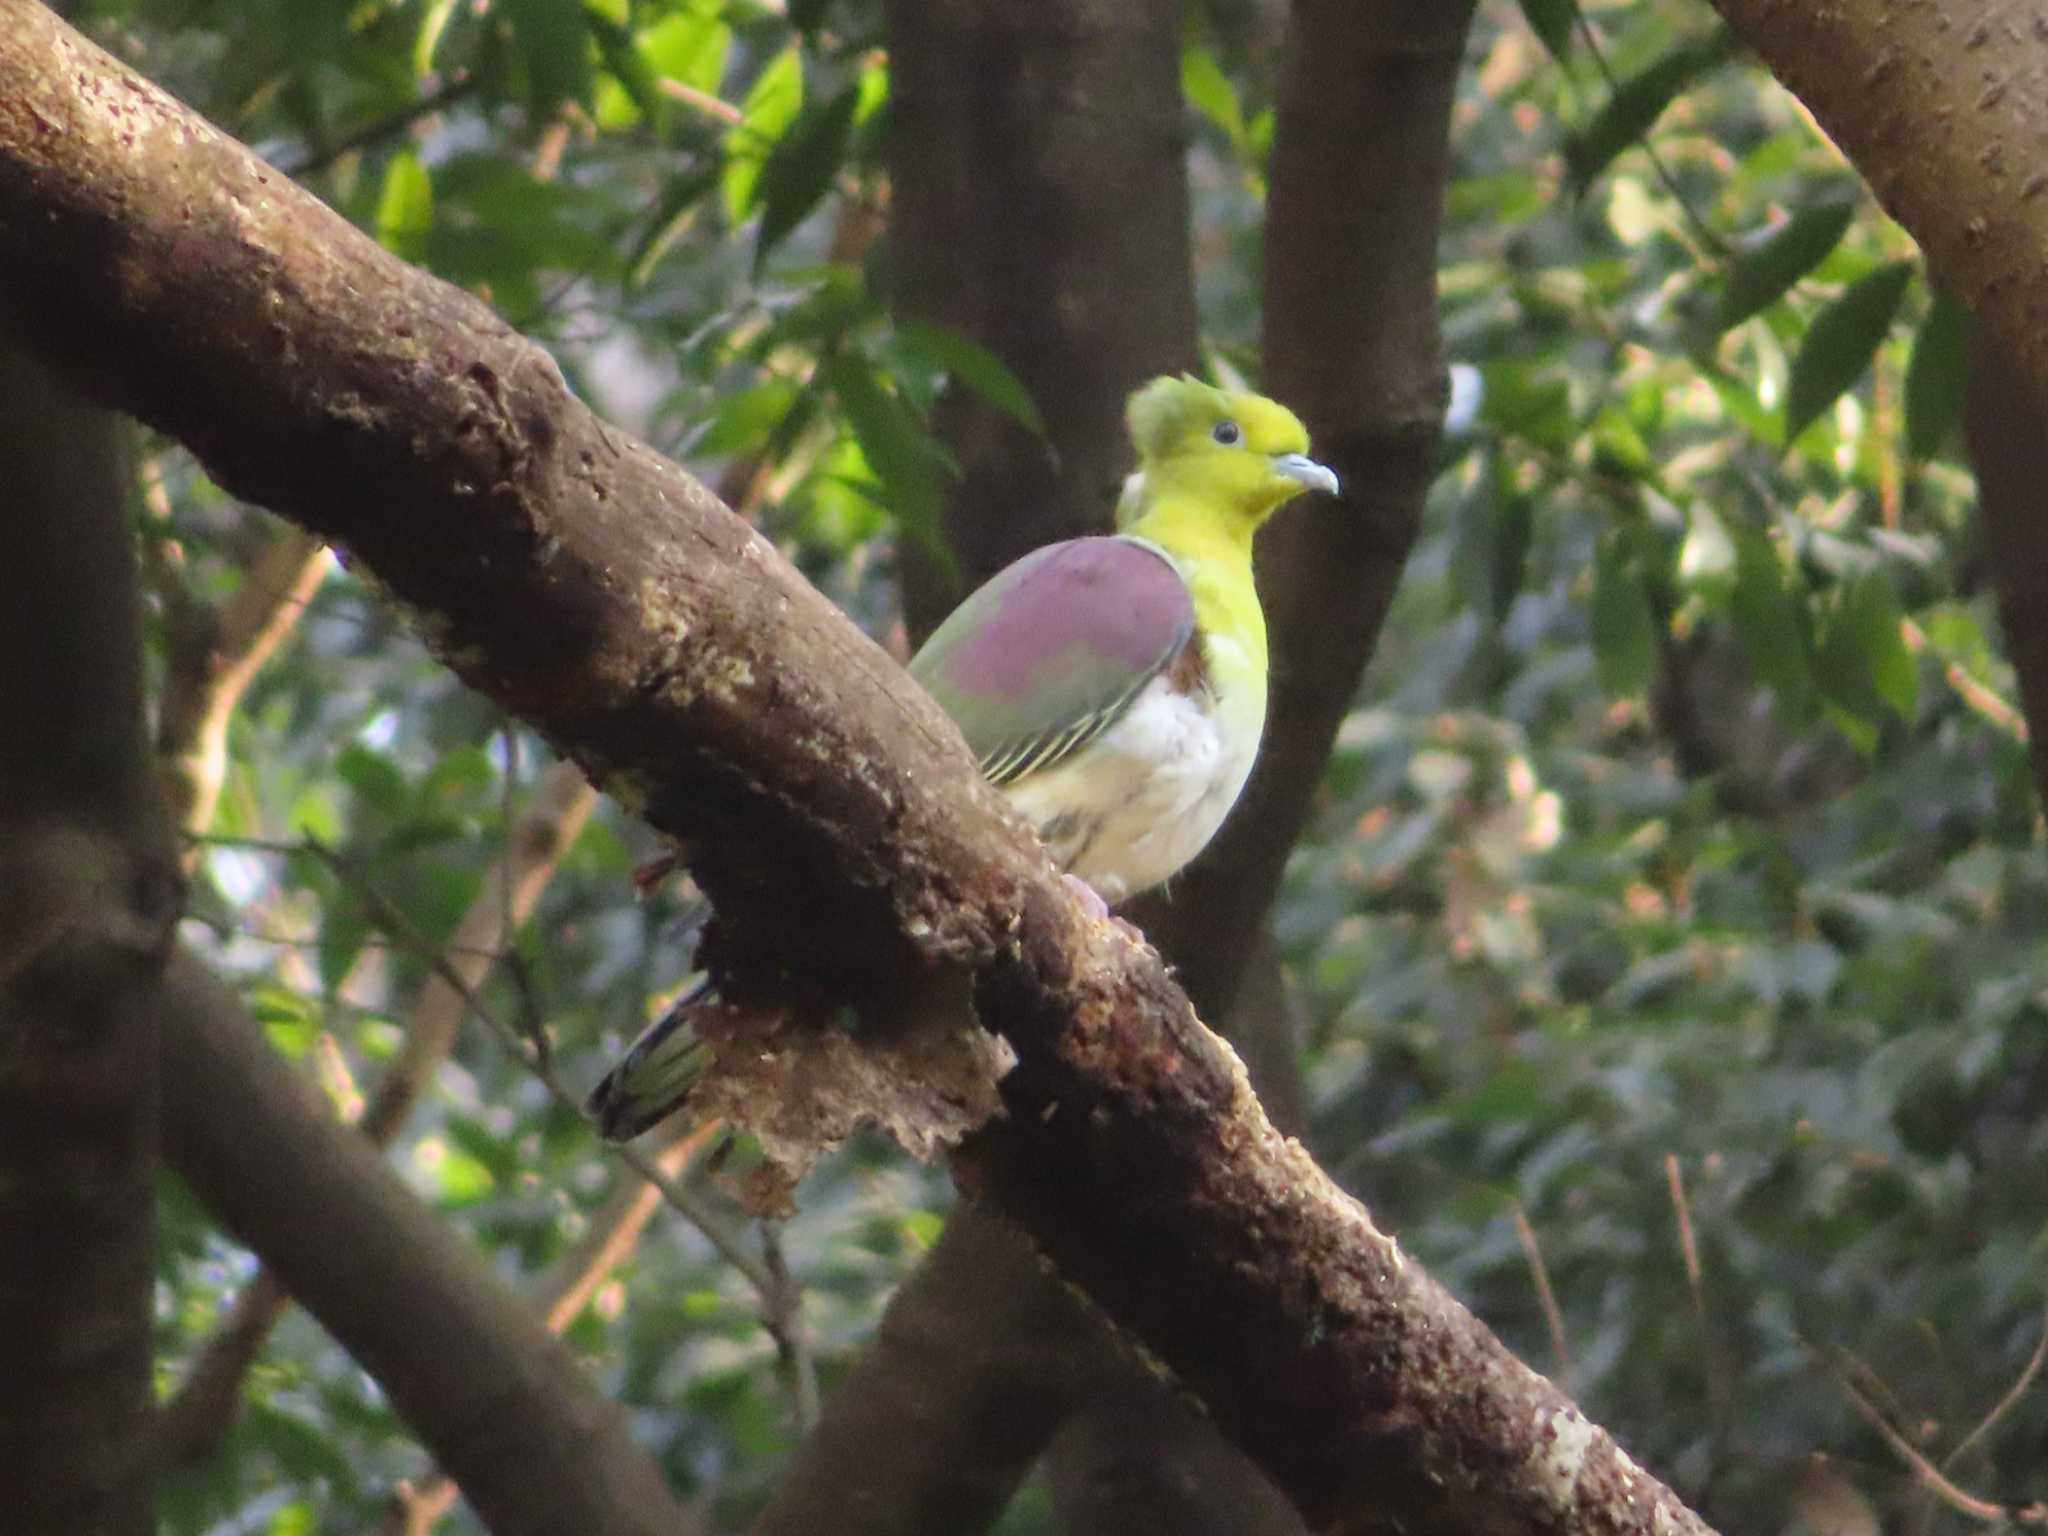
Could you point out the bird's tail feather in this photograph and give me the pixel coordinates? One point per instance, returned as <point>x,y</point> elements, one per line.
<point>657,1072</point>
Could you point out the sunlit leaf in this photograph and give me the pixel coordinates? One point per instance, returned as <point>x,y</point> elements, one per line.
<point>1210,92</point>
<point>628,69</point>
<point>771,105</point>
<point>1840,344</point>
<point>689,46</point>
<point>405,207</point>
<point>1762,276</point>
<point>1936,374</point>
<point>745,417</point>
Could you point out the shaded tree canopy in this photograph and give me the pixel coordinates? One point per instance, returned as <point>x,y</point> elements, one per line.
<point>1649,935</point>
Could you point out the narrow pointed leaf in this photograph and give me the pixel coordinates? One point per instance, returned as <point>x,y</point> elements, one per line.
<point>554,46</point>
<point>1624,629</point>
<point>405,207</point>
<point>1767,621</point>
<point>771,105</point>
<point>1764,275</point>
<point>1840,344</point>
<point>1635,107</point>
<point>1935,376</point>
<point>896,446</point>
<point>799,170</point>
<point>1552,21</point>
<point>974,366</point>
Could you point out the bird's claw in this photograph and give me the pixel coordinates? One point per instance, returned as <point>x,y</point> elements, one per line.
<point>1090,898</point>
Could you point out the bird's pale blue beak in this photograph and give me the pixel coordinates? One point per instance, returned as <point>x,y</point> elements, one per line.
<point>1299,466</point>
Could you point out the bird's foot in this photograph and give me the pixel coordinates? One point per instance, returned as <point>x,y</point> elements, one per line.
<point>1090,898</point>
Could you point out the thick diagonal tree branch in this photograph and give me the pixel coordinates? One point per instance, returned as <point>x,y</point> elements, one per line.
<point>600,593</point>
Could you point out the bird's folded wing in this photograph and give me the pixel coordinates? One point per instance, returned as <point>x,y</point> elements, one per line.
<point>1043,658</point>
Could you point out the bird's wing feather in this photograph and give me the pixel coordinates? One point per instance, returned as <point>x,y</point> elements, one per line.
<point>1043,658</point>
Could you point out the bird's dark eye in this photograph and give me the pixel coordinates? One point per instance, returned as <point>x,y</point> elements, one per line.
<point>1226,433</point>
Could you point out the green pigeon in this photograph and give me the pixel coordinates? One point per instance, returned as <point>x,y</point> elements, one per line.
<point>1113,686</point>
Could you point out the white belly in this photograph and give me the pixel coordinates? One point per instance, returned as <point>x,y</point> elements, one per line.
<point>1130,809</point>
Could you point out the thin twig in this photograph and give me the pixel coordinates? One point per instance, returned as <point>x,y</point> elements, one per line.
<point>1985,701</point>
<point>2034,1512</point>
<point>1545,1296</point>
<point>701,101</point>
<point>2013,1394</point>
<point>382,128</point>
<point>1715,245</point>
<point>792,1346</point>
<point>693,1207</point>
<point>1718,1390</point>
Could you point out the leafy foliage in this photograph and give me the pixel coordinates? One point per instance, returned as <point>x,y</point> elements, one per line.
<point>1680,860</point>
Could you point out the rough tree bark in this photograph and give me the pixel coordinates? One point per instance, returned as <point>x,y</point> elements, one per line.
<point>598,592</point>
<point>1941,107</point>
<point>1039,205</point>
<point>2004,412</point>
<point>89,894</point>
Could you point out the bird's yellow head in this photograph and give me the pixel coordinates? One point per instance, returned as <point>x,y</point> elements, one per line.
<point>1237,456</point>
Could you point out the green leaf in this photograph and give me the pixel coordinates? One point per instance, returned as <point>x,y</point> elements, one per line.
<point>405,207</point>
<point>896,446</point>
<point>1210,92</point>
<point>1528,400</point>
<point>344,930</point>
<point>1764,275</point>
<point>1769,623</point>
<point>552,40</point>
<point>1935,376</point>
<point>427,41</point>
<point>1862,660</point>
<point>1634,108</point>
<point>745,418</point>
<point>774,101</point>
<point>799,170</point>
<point>290,1021</point>
<point>1553,21</point>
<point>301,1450</point>
<point>689,46</point>
<point>1840,344</point>
<point>668,222</point>
<point>375,779</point>
<point>1624,629</point>
<point>629,68</point>
<point>973,365</point>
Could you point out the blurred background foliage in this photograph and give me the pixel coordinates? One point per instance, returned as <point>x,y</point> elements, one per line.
<point>1669,934</point>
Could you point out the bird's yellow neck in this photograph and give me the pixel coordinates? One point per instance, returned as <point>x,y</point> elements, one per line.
<point>1215,559</point>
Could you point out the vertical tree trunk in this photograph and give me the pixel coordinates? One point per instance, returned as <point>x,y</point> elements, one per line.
<point>1039,206</point>
<point>2003,420</point>
<point>88,896</point>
